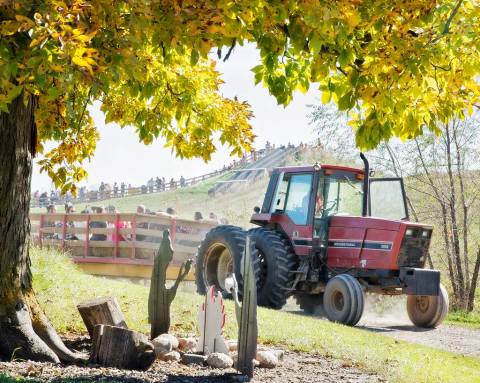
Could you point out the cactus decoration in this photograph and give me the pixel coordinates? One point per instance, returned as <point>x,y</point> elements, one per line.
<point>161,297</point>
<point>247,328</point>
<point>211,319</point>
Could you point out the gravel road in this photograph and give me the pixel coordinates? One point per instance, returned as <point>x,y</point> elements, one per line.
<point>394,322</point>
<point>296,368</point>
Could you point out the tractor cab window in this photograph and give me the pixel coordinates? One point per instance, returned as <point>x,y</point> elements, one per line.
<point>336,195</point>
<point>293,197</point>
<point>387,198</point>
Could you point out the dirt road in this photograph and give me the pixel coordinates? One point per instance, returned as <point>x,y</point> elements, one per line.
<point>394,322</point>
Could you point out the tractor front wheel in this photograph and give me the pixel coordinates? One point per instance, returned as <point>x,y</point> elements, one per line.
<point>343,300</point>
<point>428,311</point>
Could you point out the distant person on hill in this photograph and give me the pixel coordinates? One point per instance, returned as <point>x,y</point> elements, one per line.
<point>182,181</point>
<point>212,217</point>
<point>122,189</point>
<point>144,189</point>
<point>173,184</point>
<point>115,189</point>
<point>99,225</point>
<point>158,184</point>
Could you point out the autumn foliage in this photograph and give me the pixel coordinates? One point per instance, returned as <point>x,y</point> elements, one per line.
<point>399,67</point>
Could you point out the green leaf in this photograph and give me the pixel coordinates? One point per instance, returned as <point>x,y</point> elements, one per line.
<point>346,57</point>
<point>347,101</point>
<point>194,57</point>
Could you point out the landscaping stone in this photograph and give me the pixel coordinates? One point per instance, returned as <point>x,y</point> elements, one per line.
<point>170,356</point>
<point>267,359</point>
<point>219,360</point>
<point>232,345</point>
<point>162,344</point>
<point>165,343</point>
<point>279,354</point>
<point>194,359</point>
<point>187,344</point>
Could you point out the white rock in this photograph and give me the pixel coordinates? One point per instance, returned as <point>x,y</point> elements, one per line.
<point>267,359</point>
<point>161,344</point>
<point>165,343</point>
<point>170,356</point>
<point>219,360</point>
<point>279,354</point>
<point>232,345</point>
<point>187,344</point>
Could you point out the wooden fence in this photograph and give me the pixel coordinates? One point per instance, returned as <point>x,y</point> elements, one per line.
<point>119,244</point>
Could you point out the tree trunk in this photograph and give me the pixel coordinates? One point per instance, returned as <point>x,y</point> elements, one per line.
<point>24,330</point>
<point>473,284</point>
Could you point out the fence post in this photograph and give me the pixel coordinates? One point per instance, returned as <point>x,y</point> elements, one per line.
<point>117,224</point>
<point>173,231</point>
<point>64,231</point>
<point>134,236</point>
<point>40,231</point>
<point>87,238</point>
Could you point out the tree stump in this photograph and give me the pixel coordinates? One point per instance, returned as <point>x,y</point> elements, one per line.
<point>101,311</point>
<point>122,348</point>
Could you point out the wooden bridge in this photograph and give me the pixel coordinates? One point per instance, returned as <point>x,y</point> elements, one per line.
<point>120,245</point>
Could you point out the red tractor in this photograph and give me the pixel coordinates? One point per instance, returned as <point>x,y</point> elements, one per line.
<point>328,234</point>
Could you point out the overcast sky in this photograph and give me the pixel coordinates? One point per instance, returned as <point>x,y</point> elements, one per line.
<point>120,156</point>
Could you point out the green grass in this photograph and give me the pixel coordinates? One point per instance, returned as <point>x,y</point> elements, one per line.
<point>60,285</point>
<point>464,319</point>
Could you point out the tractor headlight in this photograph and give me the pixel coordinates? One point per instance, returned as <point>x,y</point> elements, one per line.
<point>409,232</point>
<point>425,233</point>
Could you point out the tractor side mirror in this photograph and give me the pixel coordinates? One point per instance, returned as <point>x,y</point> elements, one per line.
<point>256,209</point>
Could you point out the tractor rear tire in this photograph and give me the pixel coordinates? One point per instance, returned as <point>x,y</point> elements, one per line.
<point>277,263</point>
<point>219,255</point>
<point>343,300</point>
<point>428,311</point>
<point>311,304</point>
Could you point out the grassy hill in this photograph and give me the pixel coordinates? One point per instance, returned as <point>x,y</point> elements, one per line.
<point>60,286</point>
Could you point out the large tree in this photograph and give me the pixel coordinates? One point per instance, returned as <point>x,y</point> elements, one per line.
<point>400,66</point>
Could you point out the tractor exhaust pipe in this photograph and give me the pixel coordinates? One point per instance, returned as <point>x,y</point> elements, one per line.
<point>366,184</point>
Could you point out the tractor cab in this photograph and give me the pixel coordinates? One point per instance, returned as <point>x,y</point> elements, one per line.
<point>301,201</point>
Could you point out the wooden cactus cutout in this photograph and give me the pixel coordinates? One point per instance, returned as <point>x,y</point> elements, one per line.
<point>211,319</point>
<point>248,327</point>
<point>161,297</point>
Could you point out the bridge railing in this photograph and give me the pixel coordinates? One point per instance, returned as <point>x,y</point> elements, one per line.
<point>118,239</point>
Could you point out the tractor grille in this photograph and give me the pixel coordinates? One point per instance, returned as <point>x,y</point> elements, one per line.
<point>414,248</point>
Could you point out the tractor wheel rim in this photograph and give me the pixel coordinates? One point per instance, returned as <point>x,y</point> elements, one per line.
<point>422,304</point>
<point>224,268</point>
<point>217,266</point>
<point>337,300</point>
